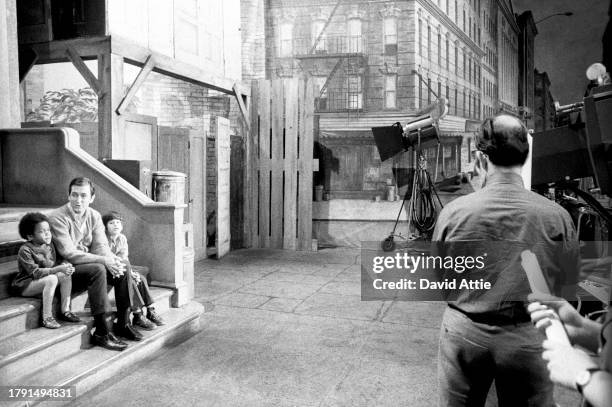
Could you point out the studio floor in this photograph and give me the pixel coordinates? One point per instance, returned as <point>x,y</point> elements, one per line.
<point>289,329</point>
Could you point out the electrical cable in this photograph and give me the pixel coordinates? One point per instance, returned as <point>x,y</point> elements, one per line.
<point>423,210</point>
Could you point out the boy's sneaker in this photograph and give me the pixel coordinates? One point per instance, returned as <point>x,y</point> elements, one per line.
<point>50,323</point>
<point>142,322</point>
<point>68,316</point>
<point>154,317</point>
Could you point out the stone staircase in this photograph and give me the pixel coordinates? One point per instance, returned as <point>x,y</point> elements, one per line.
<point>31,355</point>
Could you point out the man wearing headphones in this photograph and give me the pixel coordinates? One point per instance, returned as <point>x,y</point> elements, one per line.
<point>486,335</point>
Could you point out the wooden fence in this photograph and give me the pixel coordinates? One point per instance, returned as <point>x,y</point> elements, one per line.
<point>280,154</point>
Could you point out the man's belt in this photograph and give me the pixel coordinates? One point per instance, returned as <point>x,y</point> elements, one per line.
<point>513,316</point>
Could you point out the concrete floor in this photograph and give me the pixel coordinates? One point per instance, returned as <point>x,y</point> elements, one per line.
<point>289,329</point>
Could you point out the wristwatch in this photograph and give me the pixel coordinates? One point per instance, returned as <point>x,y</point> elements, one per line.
<point>583,378</point>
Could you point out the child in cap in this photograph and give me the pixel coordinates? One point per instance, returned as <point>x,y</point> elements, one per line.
<point>140,293</point>
<point>40,269</point>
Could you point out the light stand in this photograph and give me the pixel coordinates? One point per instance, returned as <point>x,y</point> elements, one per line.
<point>414,136</point>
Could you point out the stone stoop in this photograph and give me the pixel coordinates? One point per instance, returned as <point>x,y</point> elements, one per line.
<point>18,314</point>
<point>88,369</point>
<point>32,347</point>
<point>65,356</point>
<point>31,355</point>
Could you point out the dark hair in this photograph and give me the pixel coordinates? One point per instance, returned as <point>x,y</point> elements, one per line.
<point>506,146</point>
<point>28,223</point>
<point>81,181</point>
<point>111,216</point>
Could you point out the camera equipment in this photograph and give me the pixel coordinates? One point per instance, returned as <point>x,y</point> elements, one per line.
<point>417,134</point>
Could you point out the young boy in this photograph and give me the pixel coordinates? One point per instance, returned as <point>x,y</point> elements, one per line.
<point>40,269</point>
<point>140,291</point>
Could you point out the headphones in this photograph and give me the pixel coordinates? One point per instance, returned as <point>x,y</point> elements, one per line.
<point>485,138</point>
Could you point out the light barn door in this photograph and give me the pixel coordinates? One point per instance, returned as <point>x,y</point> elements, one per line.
<point>223,149</point>
<point>279,151</point>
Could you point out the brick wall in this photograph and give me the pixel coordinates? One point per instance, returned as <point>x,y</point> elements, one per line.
<point>174,102</point>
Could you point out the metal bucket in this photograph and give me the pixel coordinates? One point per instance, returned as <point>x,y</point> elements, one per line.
<point>169,186</point>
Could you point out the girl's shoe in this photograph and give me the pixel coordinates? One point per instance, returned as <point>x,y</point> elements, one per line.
<point>50,323</point>
<point>68,316</point>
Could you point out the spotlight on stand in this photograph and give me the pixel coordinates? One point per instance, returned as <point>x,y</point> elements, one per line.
<point>417,134</point>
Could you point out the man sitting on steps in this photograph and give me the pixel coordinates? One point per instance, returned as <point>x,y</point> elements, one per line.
<point>80,238</point>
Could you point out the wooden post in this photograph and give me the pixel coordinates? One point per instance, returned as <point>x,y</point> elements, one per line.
<point>110,77</point>
<point>9,66</point>
<point>251,214</point>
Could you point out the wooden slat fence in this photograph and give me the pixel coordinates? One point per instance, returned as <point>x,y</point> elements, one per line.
<point>280,154</point>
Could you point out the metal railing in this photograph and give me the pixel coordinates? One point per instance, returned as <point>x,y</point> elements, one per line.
<point>340,101</point>
<point>328,44</point>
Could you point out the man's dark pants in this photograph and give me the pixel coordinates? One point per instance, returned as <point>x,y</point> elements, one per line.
<point>471,355</point>
<point>94,278</point>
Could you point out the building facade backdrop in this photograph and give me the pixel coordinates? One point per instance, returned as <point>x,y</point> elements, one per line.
<point>376,63</point>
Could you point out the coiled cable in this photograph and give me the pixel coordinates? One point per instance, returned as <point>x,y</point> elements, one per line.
<point>423,210</point>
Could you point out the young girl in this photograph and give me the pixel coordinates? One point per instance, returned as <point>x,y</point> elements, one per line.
<point>140,294</point>
<point>40,270</point>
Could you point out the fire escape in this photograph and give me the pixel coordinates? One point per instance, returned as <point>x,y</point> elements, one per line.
<point>338,62</point>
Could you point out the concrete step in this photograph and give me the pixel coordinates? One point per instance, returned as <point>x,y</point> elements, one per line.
<point>38,347</point>
<point>14,314</point>
<point>10,215</point>
<point>8,270</point>
<point>9,250</point>
<point>89,368</point>
<point>18,314</point>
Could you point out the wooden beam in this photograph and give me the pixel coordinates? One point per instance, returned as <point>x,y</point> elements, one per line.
<point>78,63</point>
<point>140,78</point>
<point>242,106</point>
<point>172,67</point>
<point>55,51</point>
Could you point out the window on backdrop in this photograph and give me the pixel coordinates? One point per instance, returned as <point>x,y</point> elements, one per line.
<point>286,39</point>
<point>447,53</point>
<point>420,34</point>
<point>354,33</point>
<point>390,35</point>
<point>355,93</point>
<point>317,29</point>
<point>321,95</point>
<point>391,91</point>
<point>429,42</point>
